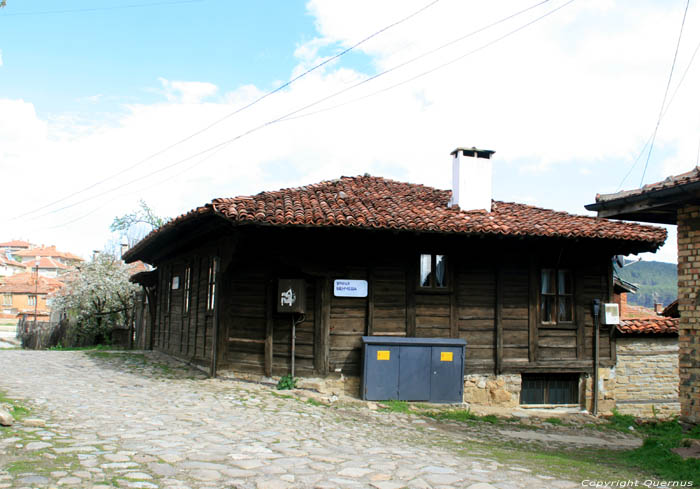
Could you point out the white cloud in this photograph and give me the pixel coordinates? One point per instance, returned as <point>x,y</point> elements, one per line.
<point>188,92</point>
<point>583,85</point>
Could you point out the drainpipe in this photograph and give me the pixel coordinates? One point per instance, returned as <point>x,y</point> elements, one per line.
<point>596,326</point>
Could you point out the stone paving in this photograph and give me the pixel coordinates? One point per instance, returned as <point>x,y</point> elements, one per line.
<point>130,424</point>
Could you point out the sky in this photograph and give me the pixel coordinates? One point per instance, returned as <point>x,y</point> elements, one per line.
<point>103,104</point>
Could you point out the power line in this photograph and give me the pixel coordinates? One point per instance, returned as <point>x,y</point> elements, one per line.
<point>96,9</point>
<point>231,114</point>
<point>296,111</point>
<point>670,101</point>
<point>425,73</point>
<point>668,85</point>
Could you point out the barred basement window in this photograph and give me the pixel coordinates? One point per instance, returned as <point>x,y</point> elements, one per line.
<point>549,389</point>
<point>433,272</point>
<point>556,296</point>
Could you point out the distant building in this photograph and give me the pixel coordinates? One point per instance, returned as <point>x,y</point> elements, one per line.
<point>36,253</point>
<point>8,266</point>
<point>24,293</point>
<point>48,267</point>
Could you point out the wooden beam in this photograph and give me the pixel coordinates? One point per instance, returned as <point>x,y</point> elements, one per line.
<point>325,326</point>
<point>370,301</point>
<point>533,310</point>
<point>580,313</point>
<point>411,300</point>
<point>215,328</point>
<point>198,261</point>
<point>498,318</point>
<point>609,298</point>
<point>270,295</point>
<point>454,296</point>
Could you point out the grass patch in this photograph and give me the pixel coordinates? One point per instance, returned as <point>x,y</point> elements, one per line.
<point>314,402</point>
<point>462,415</point>
<point>655,453</point>
<point>84,348</point>
<point>395,407</point>
<point>554,421</point>
<point>17,409</point>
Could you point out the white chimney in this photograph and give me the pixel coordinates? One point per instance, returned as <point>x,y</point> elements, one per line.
<point>124,249</point>
<point>471,178</point>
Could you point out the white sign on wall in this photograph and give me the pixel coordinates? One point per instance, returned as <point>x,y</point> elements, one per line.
<point>350,288</point>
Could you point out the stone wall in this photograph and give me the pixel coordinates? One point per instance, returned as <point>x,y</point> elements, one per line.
<point>646,376</point>
<point>606,391</point>
<point>493,390</point>
<point>688,301</point>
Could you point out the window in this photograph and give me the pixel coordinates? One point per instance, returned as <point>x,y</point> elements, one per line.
<point>186,292</point>
<point>556,296</point>
<point>31,300</point>
<point>7,299</point>
<point>211,286</point>
<point>433,271</point>
<point>549,389</point>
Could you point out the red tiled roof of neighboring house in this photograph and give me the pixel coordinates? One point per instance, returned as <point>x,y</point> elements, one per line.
<point>693,176</point>
<point>4,260</point>
<point>368,202</point>
<point>48,251</point>
<point>16,244</point>
<point>44,263</point>
<point>642,320</point>
<point>137,267</point>
<point>655,325</point>
<point>26,283</point>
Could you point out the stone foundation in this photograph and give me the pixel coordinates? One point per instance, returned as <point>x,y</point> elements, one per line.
<point>606,391</point>
<point>493,390</point>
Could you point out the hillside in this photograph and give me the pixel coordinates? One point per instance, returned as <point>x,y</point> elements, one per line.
<point>657,281</point>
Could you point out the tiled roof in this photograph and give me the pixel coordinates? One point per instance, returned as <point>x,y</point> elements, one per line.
<point>4,260</point>
<point>45,262</point>
<point>693,176</point>
<point>656,325</point>
<point>25,283</point>
<point>368,202</point>
<point>49,251</point>
<point>16,244</point>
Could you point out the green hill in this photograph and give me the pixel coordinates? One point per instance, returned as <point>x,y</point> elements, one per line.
<point>657,281</point>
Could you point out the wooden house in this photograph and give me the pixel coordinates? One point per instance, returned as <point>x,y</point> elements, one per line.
<point>515,281</point>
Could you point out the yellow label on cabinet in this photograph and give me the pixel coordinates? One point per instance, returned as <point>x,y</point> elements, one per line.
<point>383,355</point>
<point>445,356</point>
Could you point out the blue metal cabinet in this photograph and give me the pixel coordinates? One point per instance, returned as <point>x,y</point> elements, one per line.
<point>412,369</point>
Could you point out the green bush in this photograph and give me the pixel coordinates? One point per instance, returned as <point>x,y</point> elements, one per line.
<point>286,382</point>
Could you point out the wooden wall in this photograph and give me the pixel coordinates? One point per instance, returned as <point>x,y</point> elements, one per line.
<point>492,301</point>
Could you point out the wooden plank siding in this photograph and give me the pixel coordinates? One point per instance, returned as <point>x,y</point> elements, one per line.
<point>492,301</point>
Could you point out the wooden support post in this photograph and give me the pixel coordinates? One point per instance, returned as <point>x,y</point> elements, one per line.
<point>269,326</point>
<point>215,328</point>
<point>322,340</point>
<point>610,298</point>
<point>499,319</point>
<point>454,297</point>
<point>410,301</point>
<point>533,311</point>
<point>580,313</point>
<point>370,302</point>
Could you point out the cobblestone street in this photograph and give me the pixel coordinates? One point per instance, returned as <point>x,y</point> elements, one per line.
<point>137,424</point>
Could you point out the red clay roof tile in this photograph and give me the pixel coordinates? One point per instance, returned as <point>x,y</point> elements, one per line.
<point>374,202</point>
<point>658,325</point>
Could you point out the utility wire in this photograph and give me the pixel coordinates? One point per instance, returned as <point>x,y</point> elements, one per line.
<point>296,111</point>
<point>668,85</point>
<point>436,68</point>
<point>670,101</point>
<point>231,114</point>
<point>96,9</point>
